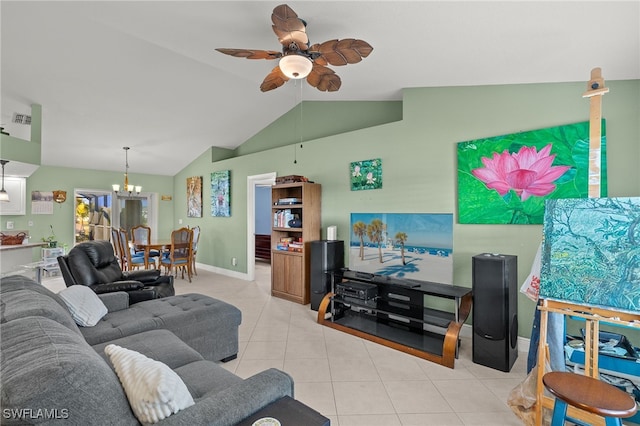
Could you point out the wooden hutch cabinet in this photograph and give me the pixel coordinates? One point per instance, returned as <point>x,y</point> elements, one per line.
<point>296,222</point>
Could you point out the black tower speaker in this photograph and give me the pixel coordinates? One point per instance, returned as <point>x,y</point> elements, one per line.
<point>495,310</point>
<point>326,256</point>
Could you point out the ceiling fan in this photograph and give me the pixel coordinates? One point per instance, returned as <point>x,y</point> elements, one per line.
<point>299,60</point>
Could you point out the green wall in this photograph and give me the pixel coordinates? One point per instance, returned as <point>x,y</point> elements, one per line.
<point>419,166</point>
<point>418,149</point>
<point>48,178</point>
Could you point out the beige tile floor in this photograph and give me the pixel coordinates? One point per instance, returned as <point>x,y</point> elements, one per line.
<point>350,380</point>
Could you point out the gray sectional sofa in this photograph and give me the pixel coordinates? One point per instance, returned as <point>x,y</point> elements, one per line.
<point>55,372</point>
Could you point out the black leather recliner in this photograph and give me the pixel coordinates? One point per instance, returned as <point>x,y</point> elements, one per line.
<point>94,264</point>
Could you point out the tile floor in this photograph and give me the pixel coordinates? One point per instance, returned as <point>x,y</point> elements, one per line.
<point>350,380</point>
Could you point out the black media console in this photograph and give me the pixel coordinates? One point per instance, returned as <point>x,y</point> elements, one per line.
<point>397,313</point>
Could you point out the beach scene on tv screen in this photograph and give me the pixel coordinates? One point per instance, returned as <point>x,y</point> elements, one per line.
<point>403,245</point>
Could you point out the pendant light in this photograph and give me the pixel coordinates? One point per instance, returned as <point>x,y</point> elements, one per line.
<point>127,187</point>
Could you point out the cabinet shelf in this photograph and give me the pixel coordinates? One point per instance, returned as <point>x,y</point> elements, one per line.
<point>290,269</point>
<point>287,206</point>
<point>287,252</point>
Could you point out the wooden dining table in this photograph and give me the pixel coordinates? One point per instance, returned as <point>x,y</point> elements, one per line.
<point>159,244</point>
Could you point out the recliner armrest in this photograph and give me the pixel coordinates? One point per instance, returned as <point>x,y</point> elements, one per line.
<point>117,286</point>
<point>142,275</point>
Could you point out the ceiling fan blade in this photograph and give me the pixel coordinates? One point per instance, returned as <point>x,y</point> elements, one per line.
<point>251,53</point>
<point>341,52</point>
<point>274,80</point>
<point>324,79</point>
<point>289,28</point>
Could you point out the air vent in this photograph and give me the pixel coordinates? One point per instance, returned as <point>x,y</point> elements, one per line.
<point>22,119</point>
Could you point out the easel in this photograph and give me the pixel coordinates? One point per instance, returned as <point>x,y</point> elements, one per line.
<point>592,316</point>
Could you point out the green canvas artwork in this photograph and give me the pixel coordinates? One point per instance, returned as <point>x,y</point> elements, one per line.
<point>507,179</point>
<point>591,252</point>
<point>366,174</point>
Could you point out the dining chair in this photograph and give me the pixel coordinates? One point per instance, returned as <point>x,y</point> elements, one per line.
<point>179,255</point>
<point>117,250</point>
<point>131,259</point>
<point>141,234</point>
<point>194,248</point>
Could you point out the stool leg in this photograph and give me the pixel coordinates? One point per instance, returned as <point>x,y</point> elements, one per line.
<point>612,421</point>
<point>559,413</point>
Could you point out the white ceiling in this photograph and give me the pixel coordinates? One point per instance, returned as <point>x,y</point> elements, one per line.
<point>145,74</point>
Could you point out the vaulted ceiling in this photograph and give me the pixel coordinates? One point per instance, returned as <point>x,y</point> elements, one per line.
<point>145,74</point>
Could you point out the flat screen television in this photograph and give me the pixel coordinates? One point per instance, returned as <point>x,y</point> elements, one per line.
<point>403,245</point>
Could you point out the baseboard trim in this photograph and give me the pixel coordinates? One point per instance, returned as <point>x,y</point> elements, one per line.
<point>223,271</point>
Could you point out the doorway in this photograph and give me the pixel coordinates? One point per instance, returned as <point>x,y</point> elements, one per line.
<point>130,211</point>
<point>92,215</point>
<point>253,182</point>
<point>97,212</point>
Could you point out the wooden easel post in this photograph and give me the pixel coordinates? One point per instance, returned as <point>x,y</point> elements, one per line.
<point>595,90</point>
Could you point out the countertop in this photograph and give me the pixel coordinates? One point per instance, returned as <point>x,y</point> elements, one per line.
<point>22,246</point>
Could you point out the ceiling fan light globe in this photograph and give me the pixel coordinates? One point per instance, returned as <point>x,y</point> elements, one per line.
<point>295,66</point>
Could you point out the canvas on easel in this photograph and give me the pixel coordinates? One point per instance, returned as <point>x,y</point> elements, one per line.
<point>591,252</point>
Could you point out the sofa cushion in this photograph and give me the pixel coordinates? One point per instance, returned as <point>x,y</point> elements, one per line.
<point>84,304</point>
<point>187,316</point>
<point>119,324</point>
<point>20,282</point>
<point>153,389</point>
<point>45,366</point>
<point>25,303</point>
<point>161,345</point>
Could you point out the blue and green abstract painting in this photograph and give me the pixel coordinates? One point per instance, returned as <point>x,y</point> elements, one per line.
<point>591,252</point>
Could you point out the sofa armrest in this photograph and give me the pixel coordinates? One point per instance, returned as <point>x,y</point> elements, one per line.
<point>117,286</point>
<point>142,275</point>
<point>115,301</point>
<point>236,403</point>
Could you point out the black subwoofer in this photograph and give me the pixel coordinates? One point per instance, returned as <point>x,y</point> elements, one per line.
<point>495,310</point>
<point>326,256</point>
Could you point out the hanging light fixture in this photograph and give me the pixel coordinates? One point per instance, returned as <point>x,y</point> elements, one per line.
<point>295,66</point>
<point>127,187</point>
<point>3,194</point>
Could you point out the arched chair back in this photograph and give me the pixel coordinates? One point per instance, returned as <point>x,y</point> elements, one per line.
<point>141,235</point>
<point>194,248</point>
<point>131,260</point>
<point>115,240</point>
<point>179,256</point>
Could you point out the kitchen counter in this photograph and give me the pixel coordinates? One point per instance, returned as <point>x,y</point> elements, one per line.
<point>13,256</point>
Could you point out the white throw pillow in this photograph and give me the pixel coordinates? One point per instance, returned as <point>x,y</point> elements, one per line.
<point>153,389</point>
<point>84,304</point>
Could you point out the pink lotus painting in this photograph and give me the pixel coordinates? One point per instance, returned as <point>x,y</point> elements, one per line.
<point>506,179</point>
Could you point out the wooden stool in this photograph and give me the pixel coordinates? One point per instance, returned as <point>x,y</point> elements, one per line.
<point>590,395</point>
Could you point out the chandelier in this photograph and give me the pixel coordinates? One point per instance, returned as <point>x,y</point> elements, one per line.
<point>127,187</point>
